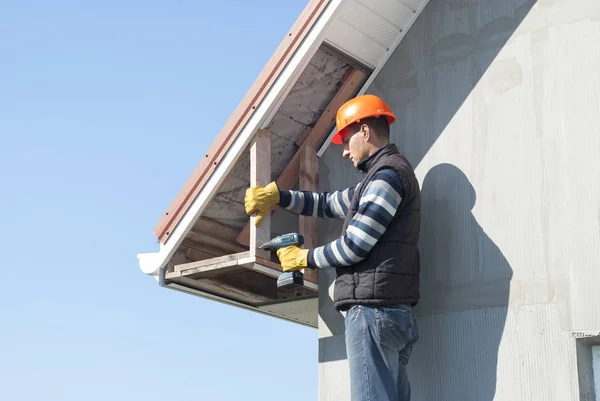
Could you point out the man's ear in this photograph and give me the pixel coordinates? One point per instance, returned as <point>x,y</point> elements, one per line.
<point>365,131</point>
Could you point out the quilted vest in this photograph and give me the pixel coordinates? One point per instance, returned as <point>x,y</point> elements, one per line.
<point>389,275</point>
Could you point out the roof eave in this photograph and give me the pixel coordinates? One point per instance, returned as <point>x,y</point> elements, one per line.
<point>301,33</point>
<point>255,110</point>
<point>257,106</point>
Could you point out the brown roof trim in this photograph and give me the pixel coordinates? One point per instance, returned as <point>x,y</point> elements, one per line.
<point>240,116</point>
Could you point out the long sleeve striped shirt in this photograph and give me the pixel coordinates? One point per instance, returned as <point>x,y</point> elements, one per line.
<point>376,209</point>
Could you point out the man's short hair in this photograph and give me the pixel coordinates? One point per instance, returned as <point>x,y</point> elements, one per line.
<point>378,125</point>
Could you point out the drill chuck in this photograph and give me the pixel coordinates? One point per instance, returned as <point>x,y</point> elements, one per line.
<point>282,241</point>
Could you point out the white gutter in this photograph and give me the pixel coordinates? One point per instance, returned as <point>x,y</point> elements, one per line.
<point>154,263</point>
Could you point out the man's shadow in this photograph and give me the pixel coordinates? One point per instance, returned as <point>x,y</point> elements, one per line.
<point>465,283</point>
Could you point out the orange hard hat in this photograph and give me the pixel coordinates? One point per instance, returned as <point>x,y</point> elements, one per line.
<point>354,110</point>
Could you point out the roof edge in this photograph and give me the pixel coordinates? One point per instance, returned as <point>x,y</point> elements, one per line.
<point>207,181</point>
<point>238,119</point>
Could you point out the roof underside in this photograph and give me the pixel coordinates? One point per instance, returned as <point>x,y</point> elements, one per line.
<point>294,120</point>
<point>358,38</point>
<point>363,34</point>
<point>217,232</point>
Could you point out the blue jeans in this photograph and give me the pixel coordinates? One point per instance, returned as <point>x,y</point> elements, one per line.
<point>379,342</point>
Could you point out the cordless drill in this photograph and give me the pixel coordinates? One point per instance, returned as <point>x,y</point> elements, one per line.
<point>287,280</point>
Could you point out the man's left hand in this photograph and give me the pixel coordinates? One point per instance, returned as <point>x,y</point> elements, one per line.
<point>292,258</point>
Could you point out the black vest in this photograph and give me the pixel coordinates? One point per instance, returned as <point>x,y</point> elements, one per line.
<point>389,275</point>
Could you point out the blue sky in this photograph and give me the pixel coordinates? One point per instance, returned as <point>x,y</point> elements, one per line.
<point>105,109</point>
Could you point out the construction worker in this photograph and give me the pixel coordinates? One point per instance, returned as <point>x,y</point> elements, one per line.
<point>376,256</point>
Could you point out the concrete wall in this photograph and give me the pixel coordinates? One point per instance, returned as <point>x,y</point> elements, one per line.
<point>498,109</point>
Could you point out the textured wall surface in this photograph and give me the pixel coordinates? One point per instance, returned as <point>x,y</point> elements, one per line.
<point>497,105</point>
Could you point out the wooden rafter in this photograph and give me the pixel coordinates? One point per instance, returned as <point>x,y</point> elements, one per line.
<point>246,273</point>
<point>309,181</point>
<point>290,175</point>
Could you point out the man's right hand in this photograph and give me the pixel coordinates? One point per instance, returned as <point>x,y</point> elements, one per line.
<point>260,200</point>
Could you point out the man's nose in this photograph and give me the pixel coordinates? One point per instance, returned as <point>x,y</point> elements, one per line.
<point>345,153</point>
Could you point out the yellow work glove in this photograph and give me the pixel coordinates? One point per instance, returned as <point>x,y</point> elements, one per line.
<point>260,200</point>
<point>292,258</point>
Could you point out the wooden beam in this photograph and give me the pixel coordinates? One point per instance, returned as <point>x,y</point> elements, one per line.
<point>204,250</point>
<point>309,181</point>
<point>352,79</point>
<point>289,176</point>
<point>206,226</point>
<point>215,245</point>
<point>196,254</point>
<point>213,262</point>
<point>225,265</point>
<point>260,175</point>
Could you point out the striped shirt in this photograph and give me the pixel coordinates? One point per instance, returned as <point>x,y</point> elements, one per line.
<point>376,209</point>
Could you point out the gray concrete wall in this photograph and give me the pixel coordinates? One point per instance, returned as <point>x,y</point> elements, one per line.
<point>498,110</point>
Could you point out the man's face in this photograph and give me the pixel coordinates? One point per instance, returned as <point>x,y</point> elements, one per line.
<point>355,144</point>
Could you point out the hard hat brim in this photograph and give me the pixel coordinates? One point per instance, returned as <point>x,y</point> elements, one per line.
<point>337,138</point>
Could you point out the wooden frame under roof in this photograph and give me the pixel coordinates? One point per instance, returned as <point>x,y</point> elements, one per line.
<point>220,258</point>
<point>332,53</point>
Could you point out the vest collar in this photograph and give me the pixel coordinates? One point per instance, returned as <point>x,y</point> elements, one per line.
<point>366,164</point>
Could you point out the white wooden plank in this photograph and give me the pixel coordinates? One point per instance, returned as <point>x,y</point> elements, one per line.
<point>366,21</point>
<point>348,39</point>
<point>393,11</point>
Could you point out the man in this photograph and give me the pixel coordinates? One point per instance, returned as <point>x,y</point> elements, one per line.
<point>376,257</point>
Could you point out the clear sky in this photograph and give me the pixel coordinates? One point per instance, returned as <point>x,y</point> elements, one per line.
<point>106,107</point>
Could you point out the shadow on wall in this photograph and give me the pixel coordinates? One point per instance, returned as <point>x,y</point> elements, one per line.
<point>442,58</point>
<point>465,277</point>
<point>465,284</point>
